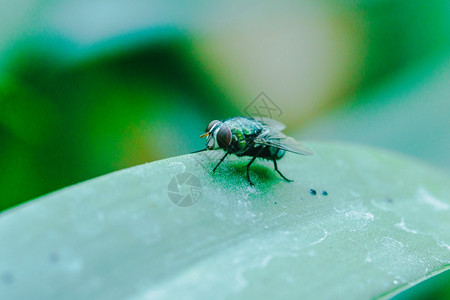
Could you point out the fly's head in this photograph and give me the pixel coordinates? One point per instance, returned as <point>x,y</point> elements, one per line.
<point>218,135</point>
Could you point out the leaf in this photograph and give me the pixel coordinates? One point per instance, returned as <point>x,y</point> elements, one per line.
<point>382,227</point>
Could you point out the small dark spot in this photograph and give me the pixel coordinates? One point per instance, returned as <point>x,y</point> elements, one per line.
<point>324,193</point>
<point>313,192</point>
<point>389,200</point>
<point>53,257</point>
<point>7,278</point>
<point>275,203</point>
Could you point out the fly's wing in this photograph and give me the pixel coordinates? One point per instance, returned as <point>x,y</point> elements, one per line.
<point>270,122</point>
<point>274,138</point>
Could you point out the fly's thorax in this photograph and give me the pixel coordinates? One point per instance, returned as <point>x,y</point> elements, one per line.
<point>238,142</point>
<point>243,132</point>
<point>245,125</point>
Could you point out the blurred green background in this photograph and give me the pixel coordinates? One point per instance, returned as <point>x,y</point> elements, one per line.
<point>90,87</point>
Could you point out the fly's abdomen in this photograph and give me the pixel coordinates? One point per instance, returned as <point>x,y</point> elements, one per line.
<point>276,153</point>
<point>266,152</point>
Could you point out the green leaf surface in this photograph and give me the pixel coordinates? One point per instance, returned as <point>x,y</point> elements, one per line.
<point>384,225</point>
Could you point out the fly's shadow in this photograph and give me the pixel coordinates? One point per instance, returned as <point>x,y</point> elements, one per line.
<point>236,168</point>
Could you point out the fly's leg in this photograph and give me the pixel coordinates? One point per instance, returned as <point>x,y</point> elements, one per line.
<point>221,160</point>
<point>276,169</point>
<point>248,168</point>
<point>250,163</point>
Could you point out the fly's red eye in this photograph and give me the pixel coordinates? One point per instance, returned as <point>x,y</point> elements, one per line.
<point>211,125</point>
<point>224,137</point>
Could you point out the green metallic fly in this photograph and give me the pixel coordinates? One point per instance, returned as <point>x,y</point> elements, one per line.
<point>244,136</point>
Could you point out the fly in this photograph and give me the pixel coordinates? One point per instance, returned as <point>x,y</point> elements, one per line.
<point>244,136</point>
